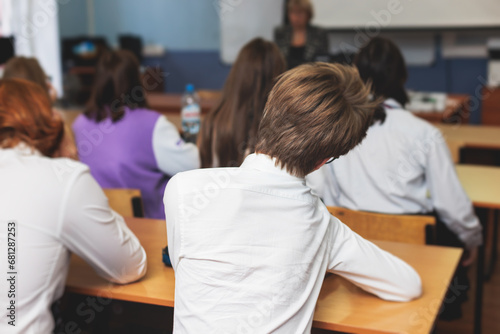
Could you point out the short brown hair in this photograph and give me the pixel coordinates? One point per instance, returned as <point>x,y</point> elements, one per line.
<point>26,116</point>
<point>304,5</point>
<point>314,112</point>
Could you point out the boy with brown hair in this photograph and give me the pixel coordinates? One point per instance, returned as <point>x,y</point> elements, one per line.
<point>250,246</point>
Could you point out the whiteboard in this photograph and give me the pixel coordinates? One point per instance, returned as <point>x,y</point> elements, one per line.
<point>380,14</point>
<point>243,20</point>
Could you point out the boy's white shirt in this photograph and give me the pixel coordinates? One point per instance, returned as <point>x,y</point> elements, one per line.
<point>250,247</point>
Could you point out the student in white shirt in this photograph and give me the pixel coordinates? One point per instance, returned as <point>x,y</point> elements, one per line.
<point>50,208</point>
<point>250,246</point>
<point>403,166</point>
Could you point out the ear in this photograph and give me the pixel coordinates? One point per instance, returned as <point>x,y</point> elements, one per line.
<point>320,164</point>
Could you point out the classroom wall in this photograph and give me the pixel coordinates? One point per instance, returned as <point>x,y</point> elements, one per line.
<point>459,76</point>
<point>201,68</point>
<point>73,19</point>
<point>175,24</point>
<point>189,30</point>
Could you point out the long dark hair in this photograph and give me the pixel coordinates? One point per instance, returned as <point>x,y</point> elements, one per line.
<point>381,63</point>
<point>230,129</point>
<point>117,86</point>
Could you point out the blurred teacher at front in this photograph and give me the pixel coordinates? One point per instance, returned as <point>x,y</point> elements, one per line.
<point>299,41</point>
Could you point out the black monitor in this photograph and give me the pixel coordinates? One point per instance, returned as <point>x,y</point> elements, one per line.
<point>133,44</point>
<point>82,51</point>
<point>6,49</point>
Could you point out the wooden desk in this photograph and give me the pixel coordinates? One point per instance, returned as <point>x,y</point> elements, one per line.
<point>344,307</point>
<point>482,185</point>
<point>170,104</point>
<point>473,136</point>
<point>341,305</point>
<point>456,111</point>
<point>167,104</point>
<point>478,144</point>
<point>156,288</point>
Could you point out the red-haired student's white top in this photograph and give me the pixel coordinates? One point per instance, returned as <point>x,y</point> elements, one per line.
<point>56,208</point>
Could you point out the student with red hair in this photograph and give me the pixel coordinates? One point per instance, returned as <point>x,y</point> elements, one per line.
<point>50,208</point>
<point>31,70</point>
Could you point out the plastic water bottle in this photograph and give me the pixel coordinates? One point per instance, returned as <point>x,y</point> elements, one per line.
<point>190,114</point>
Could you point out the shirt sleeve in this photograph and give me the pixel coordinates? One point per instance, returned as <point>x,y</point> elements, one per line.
<point>172,154</point>
<point>90,229</point>
<point>448,197</point>
<point>369,267</point>
<point>171,202</point>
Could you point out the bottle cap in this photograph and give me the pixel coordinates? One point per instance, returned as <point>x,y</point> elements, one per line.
<point>190,88</point>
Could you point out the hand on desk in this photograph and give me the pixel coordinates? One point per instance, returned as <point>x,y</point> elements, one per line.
<point>469,257</point>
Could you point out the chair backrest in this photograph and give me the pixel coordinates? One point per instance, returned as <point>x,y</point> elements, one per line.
<point>413,229</point>
<point>127,202</point>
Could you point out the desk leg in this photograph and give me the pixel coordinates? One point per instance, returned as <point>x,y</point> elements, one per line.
<point>494,247</point>
<point>478,310</point>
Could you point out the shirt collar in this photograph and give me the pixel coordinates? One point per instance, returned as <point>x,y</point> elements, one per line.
<point>24,149</point>
<point>265,163</point>
<point>392,104</point>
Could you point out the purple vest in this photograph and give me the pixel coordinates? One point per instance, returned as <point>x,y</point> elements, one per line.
<point>120,155</point>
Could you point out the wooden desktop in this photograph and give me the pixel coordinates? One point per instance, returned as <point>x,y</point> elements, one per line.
<point>341,306</point>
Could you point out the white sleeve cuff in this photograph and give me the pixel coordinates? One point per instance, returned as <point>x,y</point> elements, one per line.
<point>172,154</point>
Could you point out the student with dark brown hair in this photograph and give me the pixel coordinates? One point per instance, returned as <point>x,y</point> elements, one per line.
<point>125,144</point>
<point>250,246</point>
<point>50,208</point>
<point>381,63</point>
<point>403,166</point>
<point>229,131</point>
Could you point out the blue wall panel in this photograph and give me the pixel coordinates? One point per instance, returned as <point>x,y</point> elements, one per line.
<point>174,24</point>
<point>201,68</point>
<point>73,20</point>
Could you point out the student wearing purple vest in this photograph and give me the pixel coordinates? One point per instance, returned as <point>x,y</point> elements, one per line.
<point>125,144</point>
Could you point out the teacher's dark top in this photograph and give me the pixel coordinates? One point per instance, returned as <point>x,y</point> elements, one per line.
<point>316,45</point>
